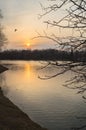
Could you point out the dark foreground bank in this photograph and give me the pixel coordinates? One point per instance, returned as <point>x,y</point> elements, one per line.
<point>11,117</point>
<point>2,68</point>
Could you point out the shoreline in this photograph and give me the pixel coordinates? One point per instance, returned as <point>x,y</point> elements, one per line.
<point>13,118</point>
<point>3,68</point>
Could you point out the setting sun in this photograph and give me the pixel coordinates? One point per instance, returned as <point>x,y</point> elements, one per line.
<point>28,44</point>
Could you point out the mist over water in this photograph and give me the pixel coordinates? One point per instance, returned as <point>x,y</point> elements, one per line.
<point>46,102</point>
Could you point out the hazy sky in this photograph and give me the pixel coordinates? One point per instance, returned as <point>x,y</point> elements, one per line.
<point>23,16</point>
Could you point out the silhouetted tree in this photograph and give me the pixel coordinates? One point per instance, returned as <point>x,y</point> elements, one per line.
<point>3,39</point>
<point>74,21</point>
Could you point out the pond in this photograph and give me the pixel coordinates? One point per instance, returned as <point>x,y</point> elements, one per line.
<point>46,102</point>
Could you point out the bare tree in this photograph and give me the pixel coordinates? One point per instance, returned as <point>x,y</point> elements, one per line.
<point>3,39</point>
<point>74,21</point>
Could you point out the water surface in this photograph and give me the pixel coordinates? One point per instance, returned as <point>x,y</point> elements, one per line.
<point>47,102</point>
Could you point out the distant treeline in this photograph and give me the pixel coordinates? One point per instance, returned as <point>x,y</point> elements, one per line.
<point>49,54</point>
